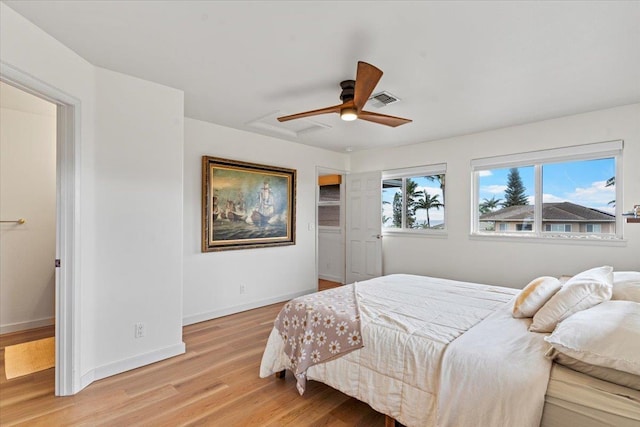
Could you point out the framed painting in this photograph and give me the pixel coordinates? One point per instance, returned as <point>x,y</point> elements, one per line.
<point>246,205</point>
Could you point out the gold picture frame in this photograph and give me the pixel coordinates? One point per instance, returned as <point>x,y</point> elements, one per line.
<point>246,205</point>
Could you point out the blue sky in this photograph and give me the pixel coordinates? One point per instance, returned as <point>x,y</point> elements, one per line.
<point>580,182</point>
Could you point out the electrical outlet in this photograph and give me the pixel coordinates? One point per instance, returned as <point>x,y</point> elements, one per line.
<point>139,330</point>
<point>242,289</point>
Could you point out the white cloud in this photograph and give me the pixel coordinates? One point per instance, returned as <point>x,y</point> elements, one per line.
<point>485,173</point>
<point>552,198</point>
<point>493,189</point>
<point>431,190</point>
<point>596,195</point>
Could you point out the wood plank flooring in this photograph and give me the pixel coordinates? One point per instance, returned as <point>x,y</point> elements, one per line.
<point>327,284</point>
<point>215,383</point>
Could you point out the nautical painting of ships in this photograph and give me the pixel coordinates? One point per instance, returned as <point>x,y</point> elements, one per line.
<point>262,214</point>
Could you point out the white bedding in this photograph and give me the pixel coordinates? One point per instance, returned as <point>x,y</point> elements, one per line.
<point>409,324</point>
<point>497,365</point>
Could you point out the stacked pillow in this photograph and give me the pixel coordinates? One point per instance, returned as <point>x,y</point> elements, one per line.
<point>582,291</point>
<point>602,341</point>
<point>535,295</point>
<point>626,285</point>
<point>595,320</point>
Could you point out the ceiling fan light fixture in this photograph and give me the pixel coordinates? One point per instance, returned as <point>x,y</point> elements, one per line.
<point>348,114</point>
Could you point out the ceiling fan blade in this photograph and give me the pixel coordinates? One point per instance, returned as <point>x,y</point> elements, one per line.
<point>334,109</point>
<point>382,119</point>
<point>367,78</point>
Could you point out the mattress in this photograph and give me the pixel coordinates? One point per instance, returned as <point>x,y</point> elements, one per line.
<point>574,399</point>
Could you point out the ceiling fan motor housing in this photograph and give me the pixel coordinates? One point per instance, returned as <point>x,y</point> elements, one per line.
<point>348,87</point>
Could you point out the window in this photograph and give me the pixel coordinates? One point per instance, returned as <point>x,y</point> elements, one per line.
<point>593,228</point>
<point>414,199</point>
<point>527,226</point>
<point>562,228</point>
<point>567,191</point>
<point>507,199</point>
<point>329,201</point>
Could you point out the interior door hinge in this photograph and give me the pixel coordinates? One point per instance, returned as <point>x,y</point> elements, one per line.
<point>57,263</point>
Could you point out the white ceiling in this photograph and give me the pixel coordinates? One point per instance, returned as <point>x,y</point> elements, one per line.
<point>458,67</point>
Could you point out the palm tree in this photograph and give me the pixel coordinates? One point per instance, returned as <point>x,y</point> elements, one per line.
<point>489,205</point>
<point>610,183</point>
<point>428,202</point>
<point>441,180</point>
<point>412,194</point>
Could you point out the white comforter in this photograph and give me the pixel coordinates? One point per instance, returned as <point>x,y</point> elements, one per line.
<point>437,352</point>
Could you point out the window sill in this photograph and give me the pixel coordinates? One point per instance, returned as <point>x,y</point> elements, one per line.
<point>567,239</point>
<point>439,234</point>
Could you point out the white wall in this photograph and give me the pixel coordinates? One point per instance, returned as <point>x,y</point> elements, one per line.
<point>138,214</point>
<point>510,262</point>
<point>212,280</point>
<point>27,190</point>
<point>331,255</point>
<point>130,201</point>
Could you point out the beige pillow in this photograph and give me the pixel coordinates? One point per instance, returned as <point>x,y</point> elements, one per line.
<point>534,295</point>
<point>606,335</point>
<point>626,285</point>
<point>582,291</point>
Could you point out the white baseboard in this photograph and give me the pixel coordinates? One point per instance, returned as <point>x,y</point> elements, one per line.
<point>197,318</point>
<point>121,366</point>
<point>85,380</point>
<point>23,326</point>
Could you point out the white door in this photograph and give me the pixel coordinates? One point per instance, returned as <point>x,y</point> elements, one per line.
<point>364,226</point>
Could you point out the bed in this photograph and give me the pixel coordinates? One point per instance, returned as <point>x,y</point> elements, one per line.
<point>433,352</point>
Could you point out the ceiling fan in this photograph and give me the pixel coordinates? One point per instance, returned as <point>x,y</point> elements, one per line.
<point>355,94</point>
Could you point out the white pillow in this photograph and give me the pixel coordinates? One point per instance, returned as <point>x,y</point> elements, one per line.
<point>626,285</point>
<point>582,291</point>
<point>606,335</point>
<point>534,295</point>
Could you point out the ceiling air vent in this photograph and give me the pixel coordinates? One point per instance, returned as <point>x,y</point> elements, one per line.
<point>383,98</point>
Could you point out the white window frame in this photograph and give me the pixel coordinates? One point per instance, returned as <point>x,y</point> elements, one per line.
<point>537,159</point>
<point>427,170</point>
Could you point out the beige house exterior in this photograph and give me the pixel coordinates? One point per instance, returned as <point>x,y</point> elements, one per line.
<point>561,217</point>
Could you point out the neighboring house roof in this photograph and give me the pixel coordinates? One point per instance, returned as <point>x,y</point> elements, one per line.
<point>562,211</point>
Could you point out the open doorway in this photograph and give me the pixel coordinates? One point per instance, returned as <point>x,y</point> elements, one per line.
<point>66,225</point>
<point>28,139</point>
<point>331,226</point>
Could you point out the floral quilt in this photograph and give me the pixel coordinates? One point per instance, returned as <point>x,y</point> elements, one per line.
<point>318,327</point>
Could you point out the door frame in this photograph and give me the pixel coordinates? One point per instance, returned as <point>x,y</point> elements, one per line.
<point>67,299</point>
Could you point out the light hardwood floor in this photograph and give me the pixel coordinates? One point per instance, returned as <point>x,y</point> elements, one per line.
<point>327,284</point>
<point>215,383</point>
